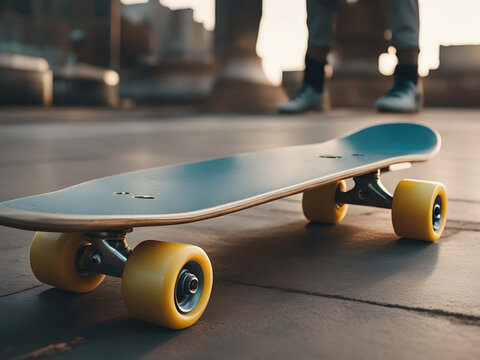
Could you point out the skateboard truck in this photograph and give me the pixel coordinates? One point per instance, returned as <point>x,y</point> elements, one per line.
<point>368,191</point>
<point>107,254</point>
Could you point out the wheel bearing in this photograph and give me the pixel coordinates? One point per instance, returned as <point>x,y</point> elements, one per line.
<point>189,286</point>
<point>437,213</point>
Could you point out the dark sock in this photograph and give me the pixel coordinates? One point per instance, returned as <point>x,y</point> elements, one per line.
<point>314,73</point>
<point>406,72</point>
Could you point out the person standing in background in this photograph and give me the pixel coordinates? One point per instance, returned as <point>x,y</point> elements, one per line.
<point>404,96</point>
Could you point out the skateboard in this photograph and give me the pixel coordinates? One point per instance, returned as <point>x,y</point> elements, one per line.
<point>82,230</point>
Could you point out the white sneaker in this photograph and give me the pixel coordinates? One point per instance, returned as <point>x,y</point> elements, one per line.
<point>306,98</point>
<point>402,97</point>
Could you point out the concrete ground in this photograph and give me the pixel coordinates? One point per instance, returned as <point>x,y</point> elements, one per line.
<point>283,288</point>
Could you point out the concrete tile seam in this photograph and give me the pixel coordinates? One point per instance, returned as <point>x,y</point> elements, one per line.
<point>462,225</point>
<point>452,232</point>
<point>20,291</point>
<point>460,318</point>
<point>470,201</point>
<point>7,164</point>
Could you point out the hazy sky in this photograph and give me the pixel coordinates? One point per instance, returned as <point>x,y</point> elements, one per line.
<point>282,39</point>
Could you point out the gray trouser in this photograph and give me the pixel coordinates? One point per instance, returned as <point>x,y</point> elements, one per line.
<point>402,16</point>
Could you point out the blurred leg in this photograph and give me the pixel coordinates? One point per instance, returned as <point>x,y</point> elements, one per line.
<point>318,53</point>
<point>408,56</point>
<point>404,23</point>
<point>320,27</point>
<point>320,38</point>
<point>405,95</point>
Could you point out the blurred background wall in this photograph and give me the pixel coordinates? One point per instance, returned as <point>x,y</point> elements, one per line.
<point>112,52</point>
<point>67,48</point>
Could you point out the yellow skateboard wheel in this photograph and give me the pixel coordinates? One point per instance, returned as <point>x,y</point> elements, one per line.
<point>53,261</point>
<point>167,284</point>
<point>419,209</point>
<point>319,204</point>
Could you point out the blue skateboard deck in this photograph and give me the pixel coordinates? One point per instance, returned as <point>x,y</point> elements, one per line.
<point>201,190</point>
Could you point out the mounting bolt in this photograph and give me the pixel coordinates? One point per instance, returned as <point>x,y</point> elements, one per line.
<point>363,194</point>
<point>96,259</point>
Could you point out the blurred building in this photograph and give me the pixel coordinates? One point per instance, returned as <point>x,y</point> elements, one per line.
<point>457,80</point>
<point>24,68</point>
<point>241,84</point>
<point>166,56</point>
<point>79,40</point>
<point>160,55</point>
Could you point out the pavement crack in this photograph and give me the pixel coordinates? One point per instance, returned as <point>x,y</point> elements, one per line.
<point>19,291</point>
<point>53,349</point>
<point>449,315</point>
